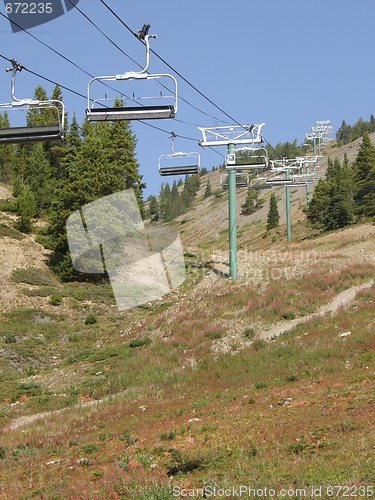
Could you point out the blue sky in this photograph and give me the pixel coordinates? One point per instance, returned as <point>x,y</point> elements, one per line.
<point>286,63</point>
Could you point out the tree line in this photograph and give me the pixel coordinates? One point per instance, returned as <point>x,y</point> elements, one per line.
<point>348,133</point>
<point>173,201</point>
<point>347,194</point>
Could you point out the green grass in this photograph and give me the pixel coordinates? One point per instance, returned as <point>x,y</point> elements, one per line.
<point>10,232</point>
<point>32,276</point>
<point>168,402</point>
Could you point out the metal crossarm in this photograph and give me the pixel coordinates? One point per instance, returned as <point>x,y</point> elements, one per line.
<point>236,134</point>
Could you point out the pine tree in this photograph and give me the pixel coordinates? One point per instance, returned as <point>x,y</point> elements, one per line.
<point>153,205</point>
<point>251,204</point>
<point>26,209</point>
<point>208,191</point>
<point>165,203</point>
<point>6,154</point>
<point>120,143</point>
<point>318,212</point>
<point>90,177</point>
<point>364,178</point>
<point>175,200</point>
<point>332,204</point>
<point>38,175</point>
<point>273,216</point>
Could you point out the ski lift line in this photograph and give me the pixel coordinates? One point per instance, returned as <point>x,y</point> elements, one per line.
<point>135,62</point>
<point>48,79</point>
<point>74,64</point>
<point>217,136</point>
<point>56,52</point>
<point>249,162</point>
<point>45,45</point>
<point>102,32</point>
<point>170,67</point>
<point>85,97</point>
<point>242,180</point>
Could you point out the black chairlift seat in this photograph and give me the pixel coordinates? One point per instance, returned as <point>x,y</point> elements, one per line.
<point>260,186</point>
<point>130,113</point>
<point>27,134</point>
<point>249,166</point>
<point>286,183</point>
<point>185,170</point>
<point>50,132</point>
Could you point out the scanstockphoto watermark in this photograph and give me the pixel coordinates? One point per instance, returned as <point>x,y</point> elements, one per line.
<point>28,14</point>
<point>243,491</point>
<point>246,491</point>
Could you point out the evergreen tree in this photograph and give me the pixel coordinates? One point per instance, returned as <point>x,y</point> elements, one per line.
<point>332,204</point>
<point>208,191</point>
<point>39,115</point>
<point>26,209</point>
<point>6,154</point>
<point>175,201</point>
<point>165,203</point>
<point>90,177</point>
<point>251,204</point>
<point>364,178</point>
<point>17,186</point>
<point>153,205</point>
<point>273,216</point>
<point>120,143</point>
<point>38,174</point>
<point>318,212</point>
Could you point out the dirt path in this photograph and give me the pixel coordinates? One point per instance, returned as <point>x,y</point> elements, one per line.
<point>342,299</point>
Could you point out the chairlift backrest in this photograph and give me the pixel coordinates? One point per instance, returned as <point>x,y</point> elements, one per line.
<point>49,132</point>
<point>137,111</point>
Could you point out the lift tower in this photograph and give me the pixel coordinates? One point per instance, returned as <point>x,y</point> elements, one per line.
<point>230,136</point>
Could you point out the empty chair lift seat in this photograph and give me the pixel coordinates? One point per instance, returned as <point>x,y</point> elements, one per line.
<point>27,134</point>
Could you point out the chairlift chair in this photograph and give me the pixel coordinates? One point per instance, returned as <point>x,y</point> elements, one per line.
<point>178,162</point>
<point>258,186</point>
<point>137,111</point>
<point>49,132</point>
<point>233,159</point>
<point>242,180</point>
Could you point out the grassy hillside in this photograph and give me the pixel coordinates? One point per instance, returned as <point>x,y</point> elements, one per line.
<point>266,382</point>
